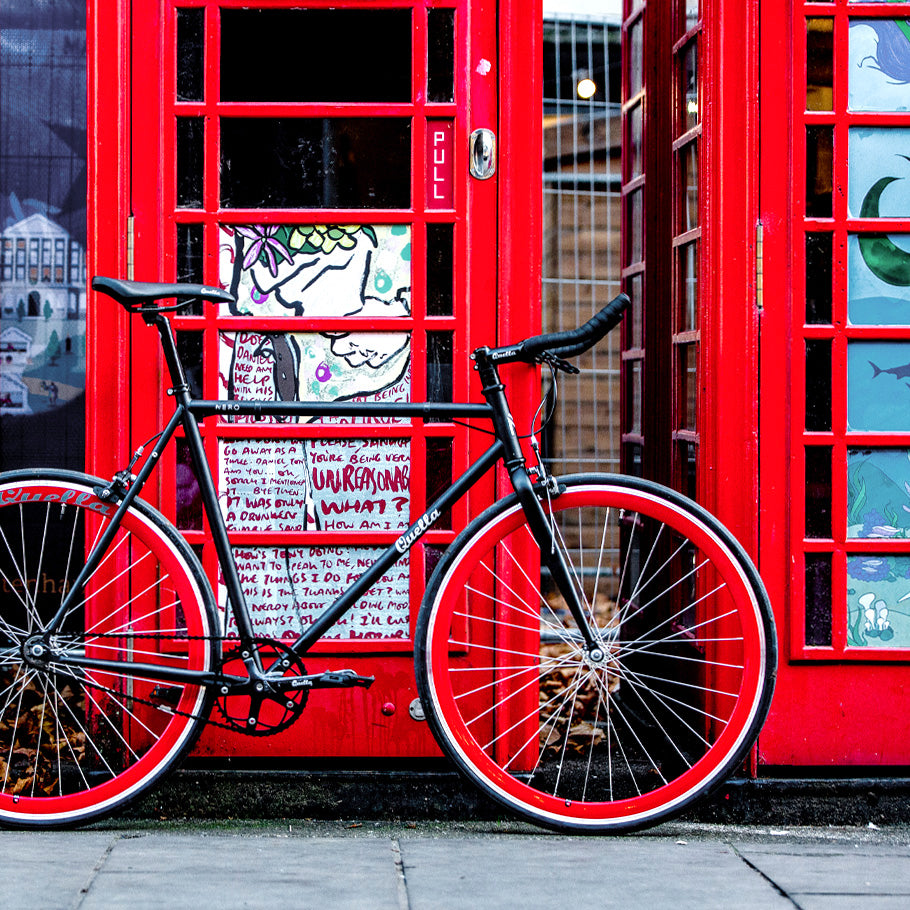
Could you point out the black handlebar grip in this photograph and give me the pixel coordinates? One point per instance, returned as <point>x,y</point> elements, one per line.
<point>577,341</point>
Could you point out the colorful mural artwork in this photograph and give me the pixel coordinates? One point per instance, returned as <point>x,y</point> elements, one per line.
<point>328,484</point>
<point>879,73</point>
<point>317,271</point>
<point>878,493</point>
<point>878,601</point>
<point>878,169</point>
<point>878,279</point>
<point>878,585</point>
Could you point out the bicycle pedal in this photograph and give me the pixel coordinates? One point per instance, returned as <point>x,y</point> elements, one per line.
<point>339,679</point>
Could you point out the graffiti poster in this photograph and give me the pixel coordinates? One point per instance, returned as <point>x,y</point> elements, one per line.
<point>289,588</point>
<point>315,484</point>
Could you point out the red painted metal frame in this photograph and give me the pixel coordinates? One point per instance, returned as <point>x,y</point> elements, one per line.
<point>497,224</point>
<point>730,314</point>
<point>106,433</point>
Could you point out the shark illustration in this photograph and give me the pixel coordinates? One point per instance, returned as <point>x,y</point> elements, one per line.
<point>901,372</point>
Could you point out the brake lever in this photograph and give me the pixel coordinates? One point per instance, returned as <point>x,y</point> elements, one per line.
<point>557,362</point>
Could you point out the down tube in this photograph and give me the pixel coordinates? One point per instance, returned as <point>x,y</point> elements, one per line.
<point>398,549</point>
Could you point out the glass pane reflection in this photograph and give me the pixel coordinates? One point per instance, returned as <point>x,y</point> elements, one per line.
<point>315,55</point>
<point>343,162</point>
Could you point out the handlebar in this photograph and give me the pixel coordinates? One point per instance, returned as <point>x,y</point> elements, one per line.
<point>565,344</point>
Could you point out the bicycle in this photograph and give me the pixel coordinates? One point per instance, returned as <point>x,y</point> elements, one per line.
<point>594,652</point>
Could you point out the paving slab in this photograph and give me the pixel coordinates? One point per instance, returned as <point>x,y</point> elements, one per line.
<point>828,876</point>
<point>195,872</point>
<point>501,874</point>
<point>44,871</point>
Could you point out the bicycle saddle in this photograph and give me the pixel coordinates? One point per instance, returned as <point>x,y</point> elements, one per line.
<point>132,294</point>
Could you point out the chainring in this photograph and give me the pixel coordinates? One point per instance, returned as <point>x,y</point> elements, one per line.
<point>262,713</point>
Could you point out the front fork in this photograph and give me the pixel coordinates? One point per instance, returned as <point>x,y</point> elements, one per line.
<point>552,554</point>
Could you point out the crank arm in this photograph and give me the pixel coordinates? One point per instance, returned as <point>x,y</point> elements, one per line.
<point>331,679</point>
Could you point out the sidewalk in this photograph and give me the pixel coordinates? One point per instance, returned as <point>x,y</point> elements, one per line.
<point>452,866</point>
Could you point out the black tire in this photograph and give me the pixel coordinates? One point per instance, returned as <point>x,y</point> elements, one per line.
<point>582,742</point>
<point>75,743</point>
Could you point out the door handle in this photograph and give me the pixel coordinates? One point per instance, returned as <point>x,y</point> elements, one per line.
<point>482,154</point>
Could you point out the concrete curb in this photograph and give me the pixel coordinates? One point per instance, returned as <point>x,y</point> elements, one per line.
<point>442,795</point>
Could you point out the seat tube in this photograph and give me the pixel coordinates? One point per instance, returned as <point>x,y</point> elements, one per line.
<point>551,553</point>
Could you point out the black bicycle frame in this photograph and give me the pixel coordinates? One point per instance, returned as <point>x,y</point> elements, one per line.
<point>187,414</point>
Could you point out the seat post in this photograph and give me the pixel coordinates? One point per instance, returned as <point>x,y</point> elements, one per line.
<point>171,356</point>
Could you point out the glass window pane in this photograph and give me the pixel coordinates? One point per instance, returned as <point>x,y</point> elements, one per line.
<point>190,132</point>
<point>189,345</point>
<point>818,277</point>
<point>633,317</point>
<point>439,269</point>
<point>688,289</point>
<point>634,397</point>
<point>190,54</point>
<point>877,377</point>
<point>189,261</point>
<point>687,468</point>
<point>819,64</point>
<point>636,239</point>
<point>636,146</point>
<point>316,162</point>
<point>689,87</point>
<point>879,68</point>
<point>688,208</point>
<point>819,170</point>
<point>878,279</point>
<point>878,495</point>
<point>818,599</point>
<point>188,495</point>
<point>818,384</point>
<point>316,55</point>
<point>688,387</point>
<point>818,491</point>
<point>439,366</point>
<point>441,55</point>
<point>439,474</point>
<point>876,167</point>
<point>271,580</point>
<point>636,58</point>
<point>876,615</point>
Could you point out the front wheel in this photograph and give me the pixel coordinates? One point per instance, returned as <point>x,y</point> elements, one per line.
<point>585,741</point>
<point>77,743</point>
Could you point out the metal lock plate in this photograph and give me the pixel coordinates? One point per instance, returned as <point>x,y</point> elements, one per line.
<point>482,154</point>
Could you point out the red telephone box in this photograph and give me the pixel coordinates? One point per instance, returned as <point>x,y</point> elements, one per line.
<point>834,521</point>
<point>314,158</point>
<point>766,197</point>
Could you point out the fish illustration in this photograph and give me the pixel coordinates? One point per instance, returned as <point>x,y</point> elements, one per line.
<point>901,372</point>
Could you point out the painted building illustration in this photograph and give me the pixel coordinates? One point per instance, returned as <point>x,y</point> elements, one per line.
<point>42,316</point>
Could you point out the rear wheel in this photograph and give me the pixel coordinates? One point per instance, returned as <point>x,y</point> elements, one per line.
<point>585,741</point>
<point>77,743</point>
